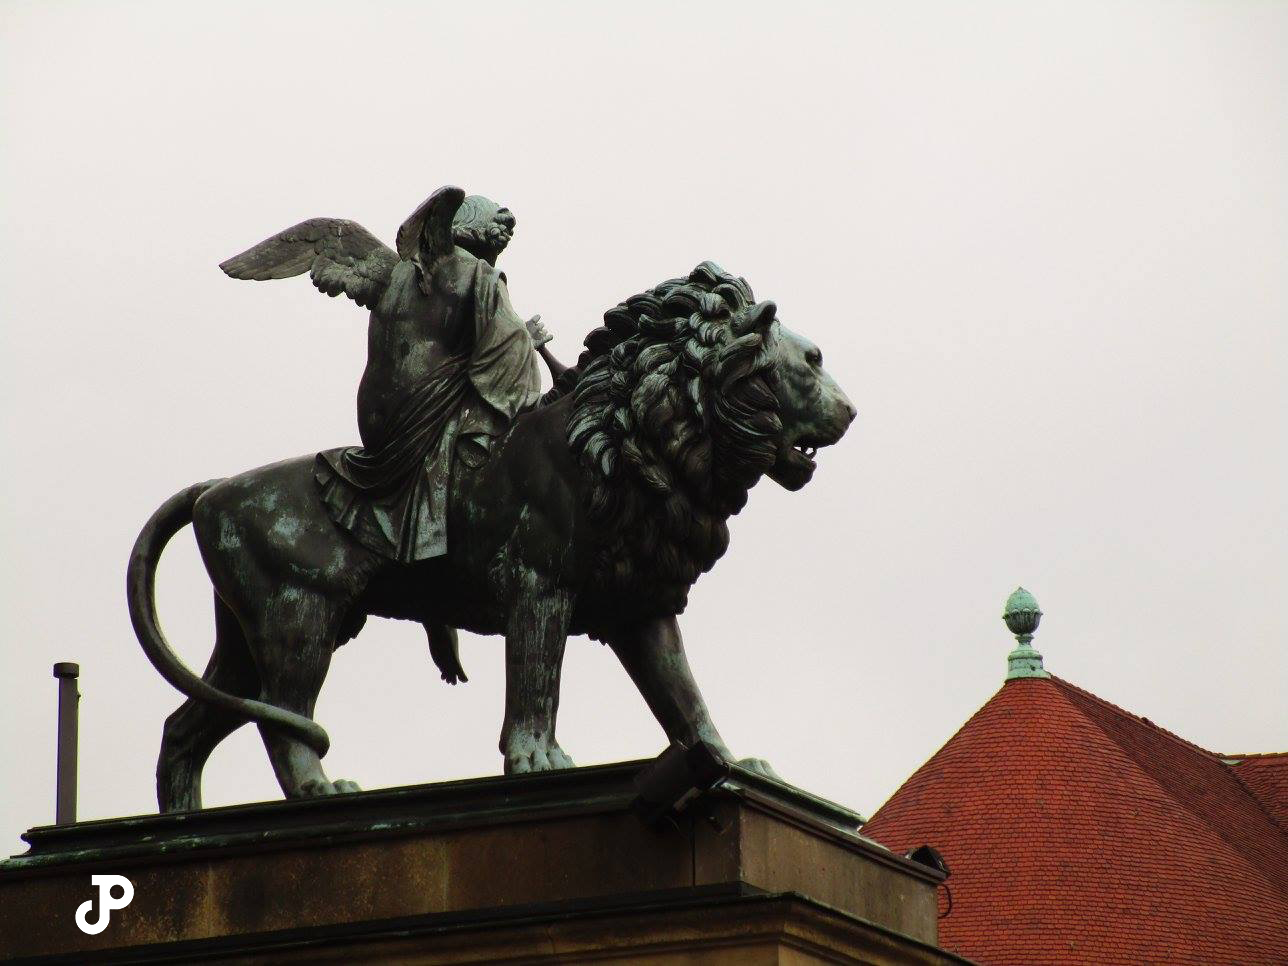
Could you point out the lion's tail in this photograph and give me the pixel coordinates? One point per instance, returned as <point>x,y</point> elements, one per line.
<point>140,590</point>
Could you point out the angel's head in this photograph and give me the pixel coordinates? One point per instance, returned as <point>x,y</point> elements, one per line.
<point>482,227</point>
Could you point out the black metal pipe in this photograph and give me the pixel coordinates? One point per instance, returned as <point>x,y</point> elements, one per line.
<point>68,738</point>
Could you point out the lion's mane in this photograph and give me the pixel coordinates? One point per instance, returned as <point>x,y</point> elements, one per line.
<point>674,417</point>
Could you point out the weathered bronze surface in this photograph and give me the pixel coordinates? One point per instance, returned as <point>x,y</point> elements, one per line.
<point>551,867</point>
<point>475,504</point>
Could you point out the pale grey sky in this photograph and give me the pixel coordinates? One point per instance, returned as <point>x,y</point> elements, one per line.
<point>1042,246</point>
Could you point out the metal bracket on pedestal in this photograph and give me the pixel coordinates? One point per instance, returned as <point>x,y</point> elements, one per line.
<point>678,777</point>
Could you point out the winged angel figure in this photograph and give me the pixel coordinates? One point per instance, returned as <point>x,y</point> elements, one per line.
<point>449,362</point>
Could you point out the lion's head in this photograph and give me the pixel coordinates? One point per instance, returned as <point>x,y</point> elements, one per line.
<point>686,396</point>
<point>812,408</point>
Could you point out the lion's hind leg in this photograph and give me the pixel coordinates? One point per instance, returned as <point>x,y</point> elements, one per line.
<point>193,731</point>
<point>292,647</point>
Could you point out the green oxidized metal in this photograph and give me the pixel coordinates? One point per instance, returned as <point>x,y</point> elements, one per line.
<point>451,415</point>
<point>1022,617</point>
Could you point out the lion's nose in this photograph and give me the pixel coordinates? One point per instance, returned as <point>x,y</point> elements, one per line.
<point>506,218</point>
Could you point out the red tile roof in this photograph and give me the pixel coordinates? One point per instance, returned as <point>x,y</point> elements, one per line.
<point>1077,832</point>
<point>1266,777</point>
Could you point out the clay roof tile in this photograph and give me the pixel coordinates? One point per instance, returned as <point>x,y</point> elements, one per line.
<point>1077,831</point>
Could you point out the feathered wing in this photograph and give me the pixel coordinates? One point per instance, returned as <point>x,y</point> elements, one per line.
<point>427,233</point>
<point>339,255</point>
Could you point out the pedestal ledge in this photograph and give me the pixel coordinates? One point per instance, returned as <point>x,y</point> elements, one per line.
<point>536,868</point>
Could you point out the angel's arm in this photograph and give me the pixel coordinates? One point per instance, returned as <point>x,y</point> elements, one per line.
<point>339,255</point>
<point>541,339</point>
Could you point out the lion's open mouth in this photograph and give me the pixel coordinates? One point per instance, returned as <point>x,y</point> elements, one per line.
<point>795,463</point>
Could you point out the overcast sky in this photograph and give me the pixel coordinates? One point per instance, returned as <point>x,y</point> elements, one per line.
<point>1042,246</point>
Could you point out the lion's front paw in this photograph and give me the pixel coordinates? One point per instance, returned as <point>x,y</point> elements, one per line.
<point>758,766</point>
<point>525,753</point>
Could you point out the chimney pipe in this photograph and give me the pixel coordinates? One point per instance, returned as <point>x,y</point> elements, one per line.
<point>68,735</point>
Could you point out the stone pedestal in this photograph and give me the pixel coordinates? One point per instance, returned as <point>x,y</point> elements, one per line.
<point>546,868</point>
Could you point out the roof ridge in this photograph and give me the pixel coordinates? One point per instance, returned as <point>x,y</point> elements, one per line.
<point>1261,803</point>
<point>1210,757</point>
<point>1256,754</point>
<point>1139,719</point>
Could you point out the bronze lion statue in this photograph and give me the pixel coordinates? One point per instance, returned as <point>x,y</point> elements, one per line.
<point>594,515</point>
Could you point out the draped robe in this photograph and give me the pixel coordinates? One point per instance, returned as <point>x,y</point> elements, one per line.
<point>473,370</point>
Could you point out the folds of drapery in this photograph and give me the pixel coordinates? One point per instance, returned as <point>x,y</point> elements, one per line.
<point>393,499</point>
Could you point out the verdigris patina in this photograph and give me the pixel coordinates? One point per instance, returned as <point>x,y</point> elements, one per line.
<point>590,510</point>
<point>449,363</point>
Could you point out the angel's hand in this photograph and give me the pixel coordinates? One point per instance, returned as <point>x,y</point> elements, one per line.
<point>538,332</point>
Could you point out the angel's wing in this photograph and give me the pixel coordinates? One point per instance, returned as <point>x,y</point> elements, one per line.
<point>427,233</point>
<point>339,255</point>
